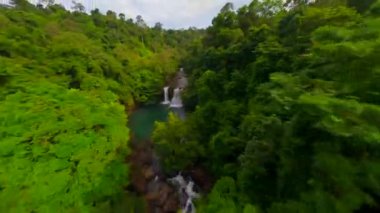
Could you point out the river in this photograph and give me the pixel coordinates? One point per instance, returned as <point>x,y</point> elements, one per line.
<point>159,193</point>
<point>148,182</point>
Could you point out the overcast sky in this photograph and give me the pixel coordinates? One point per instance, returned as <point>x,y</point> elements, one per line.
<point>171,13</point>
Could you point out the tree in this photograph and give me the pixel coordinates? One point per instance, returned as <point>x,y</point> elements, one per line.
<point>111,14</point>
<point>224,197</point>
<point>226,17</point>
<point>158,26</point>
<point>140,22</point>
<point>361,6</point>
<point>40,6</point>
<point>23,4</point>
<point>77,6</point>
<point>57,163</point>
<point>122,16</point>
<point>175,147</point>
<point>96,11</point>
<point>67,81</point>
<point>46,2</point>
<point>228,7</point>
<point>287,104</point>
<point>330,3</point>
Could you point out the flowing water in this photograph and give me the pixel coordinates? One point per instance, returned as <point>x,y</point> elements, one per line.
<point>176,100</point>
<point>161,194</point>
<point>166,96</point>
<point>186,193</point>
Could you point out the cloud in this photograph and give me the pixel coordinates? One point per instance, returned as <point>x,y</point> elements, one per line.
<point>171,13</point>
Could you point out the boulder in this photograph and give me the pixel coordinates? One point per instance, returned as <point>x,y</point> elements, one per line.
<point>148,173</point>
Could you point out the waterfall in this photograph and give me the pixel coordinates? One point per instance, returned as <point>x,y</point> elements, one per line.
<point>186,193</point>
<point>189,208</point>
<point>166,96</point>
<point>179,181</point>
<point>190,190</point>
<point>176,100</point>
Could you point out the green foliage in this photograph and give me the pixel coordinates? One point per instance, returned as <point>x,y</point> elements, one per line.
<point>60,148</point>
<point>224,199</point>
<point>177,151</point>
<point>67,80</point>
<point>286,103</point>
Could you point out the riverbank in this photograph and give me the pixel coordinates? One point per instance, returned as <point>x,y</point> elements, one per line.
<point>160,193</point>
<point>147,180</point>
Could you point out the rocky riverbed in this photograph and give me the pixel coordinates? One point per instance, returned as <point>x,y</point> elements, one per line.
<point>148,181</point>
<point>160,192</point>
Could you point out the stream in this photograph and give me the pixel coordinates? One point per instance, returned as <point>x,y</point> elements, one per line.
<point>160,193</point>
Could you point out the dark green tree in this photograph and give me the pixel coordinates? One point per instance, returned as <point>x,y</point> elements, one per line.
<point>77,6</point>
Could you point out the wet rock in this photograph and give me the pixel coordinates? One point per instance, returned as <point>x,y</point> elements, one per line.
<point>148,173</point>
<point>171,205</point>
<point>143,157</point>
<point>159,195</point>
<point>164,192</point>
<point>139,184</point>
<point>153,185</point>
<point>152,196</point>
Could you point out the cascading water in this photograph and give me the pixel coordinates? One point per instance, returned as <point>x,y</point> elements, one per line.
<point>176,100</point>
<point>160,194</point>
<point>181,83</point>
<point>186,193</point>
<point>166,96</point>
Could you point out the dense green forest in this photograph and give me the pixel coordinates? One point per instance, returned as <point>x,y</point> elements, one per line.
<point>67,81</point>
<point>283,106</point>
<point>286,113</point>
